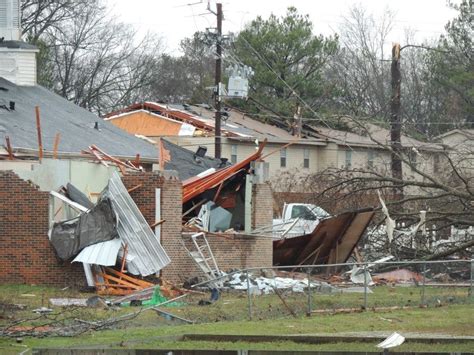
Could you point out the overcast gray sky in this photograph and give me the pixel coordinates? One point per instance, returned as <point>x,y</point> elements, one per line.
<point>175,20</point>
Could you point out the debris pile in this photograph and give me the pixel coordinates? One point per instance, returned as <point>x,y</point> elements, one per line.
<point>113,229</point>
<point>264,285</point>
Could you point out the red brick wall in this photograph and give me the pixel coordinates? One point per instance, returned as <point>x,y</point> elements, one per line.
<point>262,205</point>
<point>171,212</point>
<point>26,255</point>
<point>238,253</point>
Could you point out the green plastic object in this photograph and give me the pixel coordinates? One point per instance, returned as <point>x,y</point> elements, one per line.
<point>156,298</point>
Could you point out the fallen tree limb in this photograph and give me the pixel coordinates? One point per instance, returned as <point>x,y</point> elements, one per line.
<point>451,251</point>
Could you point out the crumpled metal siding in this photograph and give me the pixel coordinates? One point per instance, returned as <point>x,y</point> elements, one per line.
<point>104,253</point>
<point>150,257</point>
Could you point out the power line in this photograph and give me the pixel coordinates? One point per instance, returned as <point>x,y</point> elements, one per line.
<point>306,119</point>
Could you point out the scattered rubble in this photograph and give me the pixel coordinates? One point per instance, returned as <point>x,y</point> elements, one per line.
<point>261,284</point>
<point>398,276</point>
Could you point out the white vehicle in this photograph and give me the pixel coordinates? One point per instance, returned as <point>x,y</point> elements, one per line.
<point>298,219</point>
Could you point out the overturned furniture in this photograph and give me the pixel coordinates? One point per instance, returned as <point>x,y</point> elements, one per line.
<point>331,242</point>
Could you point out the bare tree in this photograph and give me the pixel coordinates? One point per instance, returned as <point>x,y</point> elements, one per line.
<point>358,69</point>
<point>87,56</point>
<point>38,16</point>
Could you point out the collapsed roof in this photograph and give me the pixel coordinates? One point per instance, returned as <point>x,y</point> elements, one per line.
<point>331,242</point>
<point>176,120</point>
<point>188,163</point>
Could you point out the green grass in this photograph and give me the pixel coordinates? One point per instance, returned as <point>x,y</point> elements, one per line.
<point>229,316</point>
<point>454,320</point>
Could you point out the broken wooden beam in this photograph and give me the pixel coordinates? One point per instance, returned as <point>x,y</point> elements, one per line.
<point>104,156</point>
<point>38,130</point>
<point>157,223</point>
<point>56,144</point>
<point>9,148</point>
<point>134,188</point>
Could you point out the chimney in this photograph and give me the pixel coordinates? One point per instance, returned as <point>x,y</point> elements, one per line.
<point>17,58</point>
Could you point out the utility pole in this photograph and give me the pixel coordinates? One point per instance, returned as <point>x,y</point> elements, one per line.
<point>217,98</point>
<point>395,119</point>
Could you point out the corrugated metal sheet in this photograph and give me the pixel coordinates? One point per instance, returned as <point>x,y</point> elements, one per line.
<point>135,231</point>
<point>197,185</point>
<point>104,253</point>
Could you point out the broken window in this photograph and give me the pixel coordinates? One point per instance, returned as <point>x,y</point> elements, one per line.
<point>306,158</point>
<point>283,158</point>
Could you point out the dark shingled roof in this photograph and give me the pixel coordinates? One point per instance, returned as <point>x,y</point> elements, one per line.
<point>186,163</point>
<point>74,123</point>
<point>17,45</point>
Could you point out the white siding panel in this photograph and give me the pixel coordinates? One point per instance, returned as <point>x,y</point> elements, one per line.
<point>18,66</point>
<point>26,62</point>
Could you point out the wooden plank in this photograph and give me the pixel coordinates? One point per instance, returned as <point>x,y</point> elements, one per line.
<point>158,223</point>
<point>69,202</point>
<point>120,282</point>
<point>99,158</point>
<point>129,278</point>
<point>218,191</point>
<point>134,188</point>
<point>108,157</point>
<point>38,130</point>
<point>124,258</point>
<point>9,148</point>
<point>194,207</point>
<point>56,144</point>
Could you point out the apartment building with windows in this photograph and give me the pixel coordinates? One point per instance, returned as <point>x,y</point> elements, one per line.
<point>193,126</point>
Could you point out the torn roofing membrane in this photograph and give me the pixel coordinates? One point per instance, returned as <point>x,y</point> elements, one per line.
<point>186,162</point>
<point>91,227</point>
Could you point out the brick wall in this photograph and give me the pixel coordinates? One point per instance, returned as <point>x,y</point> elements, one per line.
<point>262,205</point>
<point>171,212</point>
<point>237,253</point>
<point>26,255</point>
<point>241,252</point>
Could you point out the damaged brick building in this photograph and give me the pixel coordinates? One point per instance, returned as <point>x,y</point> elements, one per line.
<point>25,217</point>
